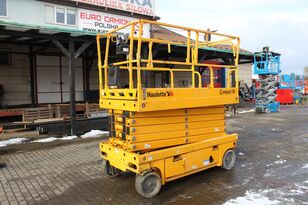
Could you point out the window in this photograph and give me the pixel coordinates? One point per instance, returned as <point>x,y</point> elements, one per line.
<point>5,57</point>
<point>3,8</point>
<point>49,14</point>
<point>71,17</point>
<point>60,15</point>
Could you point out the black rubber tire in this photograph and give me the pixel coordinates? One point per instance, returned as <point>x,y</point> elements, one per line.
<point>2,165</point>
<point>148,185</point>
<point>109,170</point>
<point>229,159</point>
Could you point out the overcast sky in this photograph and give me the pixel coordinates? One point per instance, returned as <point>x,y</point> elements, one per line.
<point>280,24</point>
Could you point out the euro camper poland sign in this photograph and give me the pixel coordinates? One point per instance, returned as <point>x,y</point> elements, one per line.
<point>145,7</point>
<point>101,22</point>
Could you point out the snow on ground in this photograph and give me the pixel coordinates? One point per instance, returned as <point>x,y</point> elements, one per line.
<point>91,134</point>
<point>69,138</point>
<point>252,198</point>
<point>51,139</point>
<point>94,133</point>
<point>305,166</point>
<point>299,190</point>
<point>282,195</point>
<point>12,141</point>
<point>280,161</point>
<point>246,111</point>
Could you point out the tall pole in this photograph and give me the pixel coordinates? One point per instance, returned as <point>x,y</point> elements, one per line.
<point>72,86</point>
<point>32,79</point>
<point>72,55</point>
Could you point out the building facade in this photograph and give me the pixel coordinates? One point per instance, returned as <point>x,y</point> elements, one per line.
<point>306,73</point>
<point>32,69</point>
<point>35,36</point>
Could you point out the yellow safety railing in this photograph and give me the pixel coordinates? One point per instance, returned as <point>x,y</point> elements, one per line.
<point>135,62</point>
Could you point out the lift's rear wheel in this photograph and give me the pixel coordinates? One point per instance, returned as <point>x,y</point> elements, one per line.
<point>148,185</point>
<point>228,161</point>
<point>109,170</point>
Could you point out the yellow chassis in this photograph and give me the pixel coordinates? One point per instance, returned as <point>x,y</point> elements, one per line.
<point>171,163</point>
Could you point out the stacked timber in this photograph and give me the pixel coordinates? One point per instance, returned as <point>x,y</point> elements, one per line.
<point>147,131</point>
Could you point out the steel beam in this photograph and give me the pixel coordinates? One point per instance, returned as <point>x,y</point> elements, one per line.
<point>32,79</point>
<point>61,47</point>
<point>82,48</point>
<point>72,86</point>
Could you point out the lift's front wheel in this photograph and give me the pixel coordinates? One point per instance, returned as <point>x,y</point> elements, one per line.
<point>228,161</point>
<point>109,170</point>
<point>148,185</point>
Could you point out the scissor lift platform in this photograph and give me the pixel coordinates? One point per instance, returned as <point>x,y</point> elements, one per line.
<point>267,66</point>
<point>154,99</point>
<point>165,132</point>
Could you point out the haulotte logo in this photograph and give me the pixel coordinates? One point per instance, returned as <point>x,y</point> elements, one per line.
<point>159,94</point>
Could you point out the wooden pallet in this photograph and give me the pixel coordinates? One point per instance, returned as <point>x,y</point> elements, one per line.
<point>63,110</point>
<point>38,113</point>
<point>94,110</point>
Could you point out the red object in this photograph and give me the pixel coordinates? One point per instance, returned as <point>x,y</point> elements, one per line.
<point>306,87</point>
<point>218,77</point>
<point>10,112</point>
<point>285,96</point>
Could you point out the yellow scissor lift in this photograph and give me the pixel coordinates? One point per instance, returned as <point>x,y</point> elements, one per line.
<point>166,130</point>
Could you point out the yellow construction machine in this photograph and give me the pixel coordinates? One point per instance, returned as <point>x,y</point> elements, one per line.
<point>164,122</point>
